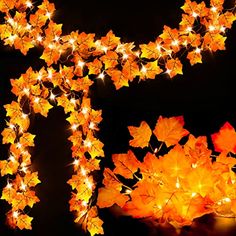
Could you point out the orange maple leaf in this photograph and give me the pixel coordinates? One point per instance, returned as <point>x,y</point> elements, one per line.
<point>225,139</point>
<point>170,130</point>
<point>141,135</point>
<point>126,164</point>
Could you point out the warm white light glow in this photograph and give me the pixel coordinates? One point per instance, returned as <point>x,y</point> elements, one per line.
<point>12,158</point>
<point>101,76</point>
<point>212,28</point>
<point>128,191</point>
<point>23,186</point>
<point>104,48</point>
<point>80,64</point>
<point>194,165</point>
<point>84,110</point>
<point>74,127</point>
<point>198,50</point>
<point>26,91</point>
<point>168,71</point>
<point>222,29</point>
<point>39,38</point>
<point>73,101</point>
<point>15,214</point>
<point>12,37</point>
<point>24,116</point>
<point>177,185</point>
<point>92,125</point>
<point>193,194</point>
<point>11,126</point>
<point>175,43</point>
<point>76,162</point>
<point>84,203</point>
<point>28,27</point>
<point>214,9</point>
<point>9,186</point>
<point>189,29</point>
<point>125,56</point>
<point>48,15</point>
<point>89,184</point>
<point>155,150</point>
<point>83,171</point>
<point>36,100</point>
<point>19,145</point>
<point>144,70</point>
<point>56,38</point>
<point>29,4</point>
<point>158,47</point>
<point>87,143</point>
<point>194,14</point>
<point>24,169</point>
<point>52,96</point>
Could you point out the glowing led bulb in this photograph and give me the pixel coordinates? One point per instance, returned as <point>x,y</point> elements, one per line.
<point>24,116</point>
<point>71,41</point>
<point>177,185</point>
<point>226,200</point>
<point>48,14</point>
<point>158,47</point>
<point>83,171</point>
<point>28,27</point>
<point>9,186</point>
<point>12,158</point>
<point>168,71</point>
<point>194,165</point>
<point>74,127</point>
<point>76,162</point>
<point>88,143</point>
<point>51,46</point>
<point>11,126</point>
<point>29,4</point>
<point>193,194</point>
<point>212,28</point>
<point>73,101</point>
<point>104,48</point>
<point>198,50</point>
<point>23,186</point>
<point>26,91</point>
<point>84,203</point>
<point>39,38</point>
<point>84,110</point>
<point>214,9</point>
<point>52,96</point>
<point>80,64</point>
<point>92,125</point>
<point>12,38</point>
<point>15,214</point>
<point>128,191</point>
<point>101,76</point>
<point>155,150</point>
<point>125,56</point>
<point>36,100</point>
<point>222,29</point>
<point>137,53</point>
<point>144,70</point>
<point>175,42</point>
<point>194,14</point>
<point>24,169</point>
<point>10,21</point>
<point>56,38</point>
<point>89,184</point>
<point>189,29</point>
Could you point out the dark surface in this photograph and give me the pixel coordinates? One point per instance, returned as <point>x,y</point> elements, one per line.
<point>205,95</point>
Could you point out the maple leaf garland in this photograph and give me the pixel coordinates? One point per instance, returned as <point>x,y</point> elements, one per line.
<point>181,185</point>
<point>26,26</point>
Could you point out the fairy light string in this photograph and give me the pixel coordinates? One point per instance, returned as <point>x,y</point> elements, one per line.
<point>73,62</point>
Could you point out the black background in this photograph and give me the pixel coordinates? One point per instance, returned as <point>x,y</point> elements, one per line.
<point>205,95</point>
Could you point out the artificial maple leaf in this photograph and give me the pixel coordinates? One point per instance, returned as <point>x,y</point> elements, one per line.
<point>23,44</point>
<point>31,179</point>
<point>214,41</point>
<point>150,50</point>
<point>38,19</point>
<point>169,35</point>
<point>194,57</point>
<point>8,194</point>
<point>81,84</point>
<point>226,19</point>
<point>8,167</point>
<point>41,105</point>
<point>176,163</point>
<point>141,135</point>
<point>9,135</point>
<point>51,55</point>
<point>94,67</point>
<point>110,59</point>
<point>23,221</point>
<point>170,130</point>
<point>6,5</point>
<point>109,196</point>
<point>110,40</point>
<point>126,164</point>
<point>119,78</point>
<point>94,226</point>
<point>130,69</point>
<point>110,180</point>
<point>150,70</point>
<point>66,103</point>
<point>174,67</point>
<point>27,140</point>
<point>225,139</point>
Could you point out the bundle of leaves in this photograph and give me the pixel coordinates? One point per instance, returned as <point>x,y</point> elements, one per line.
<point>185,183</point>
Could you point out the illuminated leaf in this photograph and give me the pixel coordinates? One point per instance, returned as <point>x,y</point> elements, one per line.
<point>170,130</point>
<point>141,135</point>
<point>225,139</point>
<point>126,164</point>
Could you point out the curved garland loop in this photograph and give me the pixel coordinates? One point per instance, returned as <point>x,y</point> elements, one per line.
<point>26,26</point>
<point>178,181</point>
